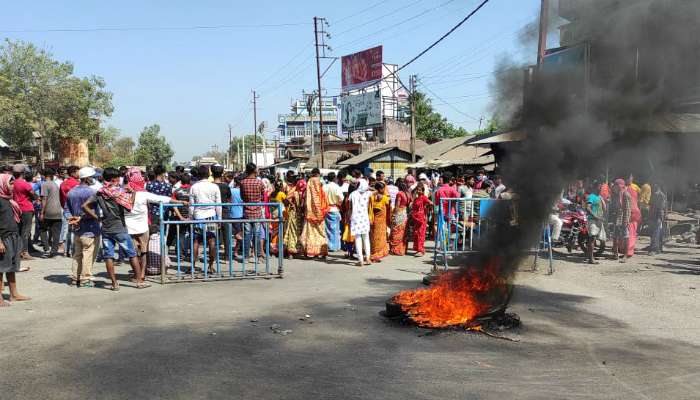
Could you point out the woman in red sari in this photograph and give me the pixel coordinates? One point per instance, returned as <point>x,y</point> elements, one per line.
<point>419,207</point>
<point>313,236</point>
<point>399,221</point>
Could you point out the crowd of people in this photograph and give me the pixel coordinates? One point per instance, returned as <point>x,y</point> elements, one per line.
<point>112,215</point>
<point>619,210</point>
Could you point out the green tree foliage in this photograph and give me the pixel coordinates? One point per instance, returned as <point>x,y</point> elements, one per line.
<point>112,149</point>
<point>39,93</point>
<point>153,149</point>
<point>219,156</point>
<point>249,140</point>
<point>491,126</point>
<point>431,126</point>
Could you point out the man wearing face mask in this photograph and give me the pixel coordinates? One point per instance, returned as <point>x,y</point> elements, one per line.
<point>480,179</point>
<point>85,228</point>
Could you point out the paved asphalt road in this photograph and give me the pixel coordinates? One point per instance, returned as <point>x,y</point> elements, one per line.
<point>610,331</point>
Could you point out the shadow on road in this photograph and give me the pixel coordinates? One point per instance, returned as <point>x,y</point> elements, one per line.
<point>346,350</point>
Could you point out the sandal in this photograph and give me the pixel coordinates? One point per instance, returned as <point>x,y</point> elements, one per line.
<point>24,269</point>
<point>143,285</point>
<point>114,288</point>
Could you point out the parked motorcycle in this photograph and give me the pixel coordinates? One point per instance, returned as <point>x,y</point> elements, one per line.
<point>574,231</point>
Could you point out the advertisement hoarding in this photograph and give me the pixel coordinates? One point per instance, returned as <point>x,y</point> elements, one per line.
<point>362,110</point>
<point>361,69</point>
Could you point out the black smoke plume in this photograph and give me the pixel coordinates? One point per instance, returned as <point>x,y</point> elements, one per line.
<point>633,110</point>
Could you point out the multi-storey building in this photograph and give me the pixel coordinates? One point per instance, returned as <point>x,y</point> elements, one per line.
<point>299,124</point>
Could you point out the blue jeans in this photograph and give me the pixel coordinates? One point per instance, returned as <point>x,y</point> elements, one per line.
<point>657,235</point>
<point>121,241</point>
<point>253,230</point>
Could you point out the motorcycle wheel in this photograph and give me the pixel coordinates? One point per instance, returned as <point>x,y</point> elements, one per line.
<point>583,242</point>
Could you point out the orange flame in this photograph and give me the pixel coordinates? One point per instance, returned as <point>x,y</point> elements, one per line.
<point>455,299</point>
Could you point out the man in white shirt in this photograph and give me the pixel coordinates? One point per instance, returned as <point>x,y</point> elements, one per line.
<point>136,220</point>
<point>344,180</point>
<point>393,190</point>
<point>335,196</point>
<point>500,187</point>
<point>205,192</point>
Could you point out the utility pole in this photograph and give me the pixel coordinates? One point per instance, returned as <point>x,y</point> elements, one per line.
<point>413,118</point>
<point>310,110</point>
<point>255,126</point>
<point>542,43</point>
<point>264,142</point>
<point>238,154</point>
<point>318,80</point>
<point>229,159</point>
<point>245,159</point>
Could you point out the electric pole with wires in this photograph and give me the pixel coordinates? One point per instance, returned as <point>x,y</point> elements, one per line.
<point>229,156</point>
<point>413,118</point>
<point>255,127</point>
<point>319,29</point>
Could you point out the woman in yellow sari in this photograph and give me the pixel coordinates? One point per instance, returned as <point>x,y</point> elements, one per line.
<point>295,215</point>
<point>380,218</point>
<point>313,237</point>
<point>277,196</point>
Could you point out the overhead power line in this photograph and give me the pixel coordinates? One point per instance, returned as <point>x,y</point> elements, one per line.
<point>402,32</point>
<point>420,14</point>
<point>284,67</point>
<point>454,28</point>
<point>156,28</point>
<point>444,102</point>
<point>392,12</point>
<point>364,10</point>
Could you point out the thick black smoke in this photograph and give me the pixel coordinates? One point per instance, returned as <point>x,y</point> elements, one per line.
<point>628,113</point>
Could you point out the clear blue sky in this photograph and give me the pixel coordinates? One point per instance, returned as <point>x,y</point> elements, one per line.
<point>194,82</point>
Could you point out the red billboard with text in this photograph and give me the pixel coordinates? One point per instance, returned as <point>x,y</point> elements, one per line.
<point>362,69</point>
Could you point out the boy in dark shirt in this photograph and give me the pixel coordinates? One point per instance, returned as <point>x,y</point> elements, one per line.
<point>217,172</point>
<point>112,201</point>
<point>182,213</point>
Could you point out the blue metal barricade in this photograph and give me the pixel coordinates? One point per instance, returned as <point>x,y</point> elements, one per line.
<point>461,225</point>
<point>545,244</point>
<point>212,234</point>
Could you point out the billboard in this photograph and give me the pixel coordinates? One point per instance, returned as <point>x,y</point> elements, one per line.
<point>362,110</point>
<point>361,69</point>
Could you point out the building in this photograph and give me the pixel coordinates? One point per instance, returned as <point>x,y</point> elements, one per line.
<point>392,160</point>
<point>457,154</point>
<point>605,41</point>
<point>630,66</point>
<point>299,124</point>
